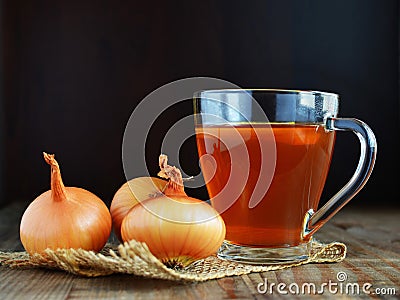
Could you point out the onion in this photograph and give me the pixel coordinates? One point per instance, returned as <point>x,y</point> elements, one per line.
<point>130,194</point>
<point>177,229</point>
<point>64,217</point>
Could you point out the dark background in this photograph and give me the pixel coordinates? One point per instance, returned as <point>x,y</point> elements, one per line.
<point>72,72</point>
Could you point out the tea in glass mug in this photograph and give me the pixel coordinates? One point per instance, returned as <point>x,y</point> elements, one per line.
<point>265,156</point>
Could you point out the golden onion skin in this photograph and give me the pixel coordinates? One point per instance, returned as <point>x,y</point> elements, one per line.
<point>177,229</point>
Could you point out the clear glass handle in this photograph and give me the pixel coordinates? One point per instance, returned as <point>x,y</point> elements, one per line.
<point>314,220</point>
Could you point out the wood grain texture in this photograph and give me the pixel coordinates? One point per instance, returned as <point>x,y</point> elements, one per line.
<point>372,237</point>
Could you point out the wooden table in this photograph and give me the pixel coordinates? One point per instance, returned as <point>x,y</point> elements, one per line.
<point>372,237</point>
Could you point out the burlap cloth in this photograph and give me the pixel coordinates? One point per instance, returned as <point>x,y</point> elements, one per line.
<point>136,259</point>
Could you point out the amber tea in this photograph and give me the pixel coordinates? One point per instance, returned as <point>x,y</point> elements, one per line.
<point>265,156</point>
<point>303,155</point>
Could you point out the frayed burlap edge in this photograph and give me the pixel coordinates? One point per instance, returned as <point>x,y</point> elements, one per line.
<point>136,259</point>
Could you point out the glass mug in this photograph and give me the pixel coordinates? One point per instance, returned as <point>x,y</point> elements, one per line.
<point>265,156</point>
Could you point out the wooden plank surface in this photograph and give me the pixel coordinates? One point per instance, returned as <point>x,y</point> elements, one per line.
<point>372,237</point>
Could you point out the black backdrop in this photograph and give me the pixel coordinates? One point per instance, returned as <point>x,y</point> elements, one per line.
<point>71,73</point>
